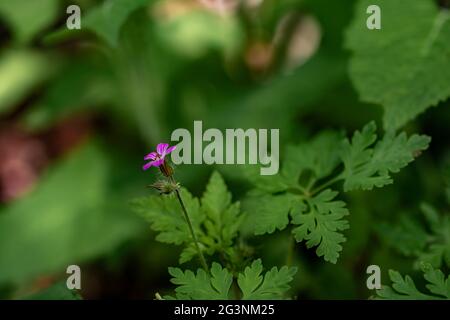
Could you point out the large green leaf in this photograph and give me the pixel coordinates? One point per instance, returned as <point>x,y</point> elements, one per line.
<point>74,214</point>
<point>405,66</point>
<point>27,18</point>
<point>20,72</point>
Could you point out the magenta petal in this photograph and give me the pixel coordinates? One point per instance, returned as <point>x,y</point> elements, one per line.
<point>161,148</point>
<point>147,165</point>
<point>169,150</point>
<point>151,156</point>
<point>157,163</point>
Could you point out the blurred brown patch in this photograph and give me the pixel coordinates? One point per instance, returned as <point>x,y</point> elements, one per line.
<point>67,134</point>
<point>22,158</point>
<point>444,4</point>
<point>259,56</point>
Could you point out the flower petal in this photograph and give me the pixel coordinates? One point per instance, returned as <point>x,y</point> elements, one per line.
<point>151,156</point>
<point>147,166</point>
<point>157,163</point>
<point>169,150</point>
<point>161,148</point>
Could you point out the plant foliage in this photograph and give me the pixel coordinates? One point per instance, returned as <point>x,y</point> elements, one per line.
<point>301,190</point>
<point>215,219</point>
<point>404,288</point>
<point>253,284</point>
<point>405,70</point>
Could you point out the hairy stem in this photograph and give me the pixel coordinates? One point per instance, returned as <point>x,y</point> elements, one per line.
<point>191,229</point>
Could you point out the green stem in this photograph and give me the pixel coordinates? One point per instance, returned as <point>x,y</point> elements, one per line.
<point>310,184</point>
<point>303,190</point>
<point>328,183</point>
<point>191,229</point>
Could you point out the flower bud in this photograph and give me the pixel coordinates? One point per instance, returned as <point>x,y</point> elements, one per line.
<point>165,187</point>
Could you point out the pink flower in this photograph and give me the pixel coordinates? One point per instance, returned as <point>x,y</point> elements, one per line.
<point>157,157</point>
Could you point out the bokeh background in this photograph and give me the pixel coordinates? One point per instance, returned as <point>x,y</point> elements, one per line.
<point>79,109</point>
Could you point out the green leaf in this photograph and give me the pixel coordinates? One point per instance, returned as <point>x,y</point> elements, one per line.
<point>437,251</point>
<point>270,212</point>
<point>408,236</point>
<point>320,156</point>
<point>320,224</point>
<point>223,217</point>
<point>268,209</point>
<point>166,217</point>
<point>58,291</point>
<point>273,285</point>
<point>437,282</point>
<point>309,168</point>
<point>28,18</point>
<point>20,72</point>
<point>429,244</point>
<point>254,285</point>
<point>202,286</point>
<point>404,288</point>
<point>403,69</point>
<point>58,223</point>
<point>107,19</point>
<point>368,165</point>
<point>215,219</point>
<point>270,184</point>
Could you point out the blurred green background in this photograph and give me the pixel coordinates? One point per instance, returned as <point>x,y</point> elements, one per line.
<point>79,109</point>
